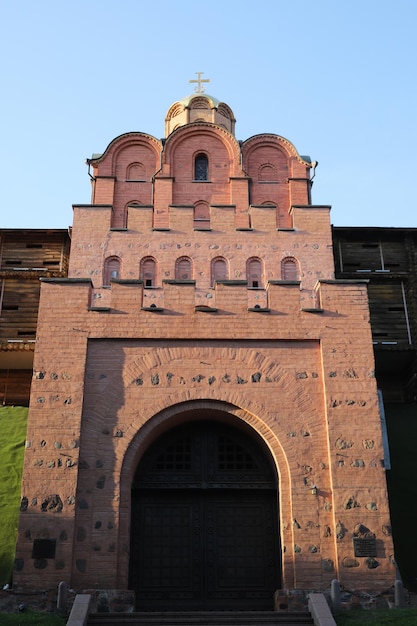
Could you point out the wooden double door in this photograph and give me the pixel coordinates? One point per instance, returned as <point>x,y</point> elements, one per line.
<point>204,522</point>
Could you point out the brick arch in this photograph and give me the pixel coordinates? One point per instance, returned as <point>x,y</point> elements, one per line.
<point>219,269</point>
<point>267,172</point>
<point>180,413</point>
<point>184,268</point>
<point>138,151</point>
<point>148,271</point>
<point>202,215</point>
<point>202,131</point>
<point>199,103</point>
<point>255,272</point>
<point>201,165</point>
<point>111,270</point>
<point>123,222</point>
<point>290,268</point>
<point>176,109</point>
<point>273,141</point>
<point>135,171</point>
<point>152,360</point>
<point>169,408</point>
<point>106,162</point>
<point>268,162</point>
<point>225,110</point>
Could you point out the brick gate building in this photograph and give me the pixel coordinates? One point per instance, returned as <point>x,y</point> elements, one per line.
<point>204,424</point>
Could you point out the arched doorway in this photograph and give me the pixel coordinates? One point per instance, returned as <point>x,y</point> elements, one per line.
<point>204,528</point>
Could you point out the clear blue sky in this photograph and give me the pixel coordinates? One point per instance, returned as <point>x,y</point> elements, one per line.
<point>338,79</point>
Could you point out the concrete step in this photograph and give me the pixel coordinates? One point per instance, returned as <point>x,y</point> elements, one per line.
<point>204,618</point>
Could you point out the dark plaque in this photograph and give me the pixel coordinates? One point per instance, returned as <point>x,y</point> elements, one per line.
<point>44,549</point>
<point>364,547</point>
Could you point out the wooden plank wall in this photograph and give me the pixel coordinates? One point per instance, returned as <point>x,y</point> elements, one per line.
<point>388,315</point>
<point>26,256</point>
<point>370,256</point>
<point>19,311</point>
<point>15,387</point>
<point>38,251</point>
<point>383,260</point>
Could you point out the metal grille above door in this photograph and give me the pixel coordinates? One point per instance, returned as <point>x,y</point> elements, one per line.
<point>204,522</point>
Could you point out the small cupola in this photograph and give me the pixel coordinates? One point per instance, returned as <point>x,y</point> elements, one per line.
<point>199,107</point>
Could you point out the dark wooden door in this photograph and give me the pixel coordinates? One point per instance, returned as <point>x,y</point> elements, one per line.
<point>204,522</point>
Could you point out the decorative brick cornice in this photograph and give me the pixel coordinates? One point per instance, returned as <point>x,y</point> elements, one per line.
<point>125,140</point>
<point>265,138</point>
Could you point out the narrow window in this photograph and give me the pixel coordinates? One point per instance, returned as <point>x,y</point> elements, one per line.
<point>218,270</point>
<point>254,273</point>
<point>111,270</point>
<point>289,269</point>
<point>148,272</point>
<point>183,268</point>
<point>201,167</point>
<point>202,216</point>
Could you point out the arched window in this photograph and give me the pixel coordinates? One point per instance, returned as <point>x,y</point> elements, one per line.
<point>218,269</point>
<point>135,171</point>
<point>202,216</point>
<point>201,167</point>
<point>148,271</point>
<point>111,270</point>
<point>289,269</point>
<point>254,273</point>
<point>183,268</point>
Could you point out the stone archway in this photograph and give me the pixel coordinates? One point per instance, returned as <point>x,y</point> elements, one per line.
<point>204,523</point>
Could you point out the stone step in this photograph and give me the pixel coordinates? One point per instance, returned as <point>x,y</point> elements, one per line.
<point>204,618</point>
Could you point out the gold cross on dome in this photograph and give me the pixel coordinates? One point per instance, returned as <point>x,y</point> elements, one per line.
<point>199,88</point>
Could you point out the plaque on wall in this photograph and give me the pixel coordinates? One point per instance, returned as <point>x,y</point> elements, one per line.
<point>44,549</point>
<point>364,547</point>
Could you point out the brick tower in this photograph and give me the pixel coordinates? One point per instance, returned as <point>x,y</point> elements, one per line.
<point>204,425</point>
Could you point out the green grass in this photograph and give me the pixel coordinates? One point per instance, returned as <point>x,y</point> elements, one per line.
<point>378,617</point>
<point>13,423</point>
<point>31,617</point>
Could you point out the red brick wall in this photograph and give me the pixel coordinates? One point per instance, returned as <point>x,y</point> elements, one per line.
<point>111,373</point>
<point>315,405</point>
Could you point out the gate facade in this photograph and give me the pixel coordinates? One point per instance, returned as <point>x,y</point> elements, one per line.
<point>205,522</point>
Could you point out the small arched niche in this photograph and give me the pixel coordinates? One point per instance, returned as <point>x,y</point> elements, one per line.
<point>111,270</point>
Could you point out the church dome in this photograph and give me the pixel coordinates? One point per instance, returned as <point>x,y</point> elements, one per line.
<point>188,99</point>
<point>199,107</point>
